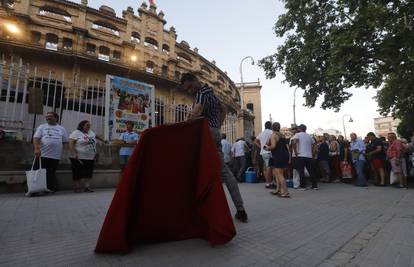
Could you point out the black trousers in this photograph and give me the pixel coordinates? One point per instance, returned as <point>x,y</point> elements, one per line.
<point>50,165</point>
<point>82,168</point>
<point>302,163</point>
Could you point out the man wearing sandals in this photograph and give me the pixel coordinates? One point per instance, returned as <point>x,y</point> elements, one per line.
<point>48,146</point>
<point>207,105</point>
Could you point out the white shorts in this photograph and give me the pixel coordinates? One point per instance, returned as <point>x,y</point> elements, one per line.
<point>266,159</point>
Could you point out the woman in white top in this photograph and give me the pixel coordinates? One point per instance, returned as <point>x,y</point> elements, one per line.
<point>82,145</point>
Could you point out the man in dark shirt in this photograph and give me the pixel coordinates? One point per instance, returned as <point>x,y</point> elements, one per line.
<point>323,159</point>
<point>375,153</point>
<point>207,105</point>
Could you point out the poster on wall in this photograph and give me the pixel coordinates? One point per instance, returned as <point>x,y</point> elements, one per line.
<point>127,100</point>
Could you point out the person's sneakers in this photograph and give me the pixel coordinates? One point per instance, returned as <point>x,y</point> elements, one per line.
<point>241,215</point>
<point>315,188</point>
<point>302,189</point>
<point>88,190</point>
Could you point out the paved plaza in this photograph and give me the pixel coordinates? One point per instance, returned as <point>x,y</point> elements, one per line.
<point>339,225</point>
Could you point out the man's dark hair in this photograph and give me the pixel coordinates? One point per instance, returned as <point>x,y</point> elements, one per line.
<point>81,125</point>
<point>371,134</point>
<point>187,77</point>
<point>54,115</point>
<point>223,136</point>
<point>302,127</point>
<point>253,138</point>
<point>276,127</point>
<point>268,125</point>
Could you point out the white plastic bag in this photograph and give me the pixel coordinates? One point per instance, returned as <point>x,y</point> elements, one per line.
<point>296,179</point>
<point>393,178</point>
<point>36,179</point>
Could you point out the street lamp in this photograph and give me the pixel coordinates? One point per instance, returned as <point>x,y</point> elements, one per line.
<point>12,28</point>
<point>294,106</point>
<point>343,123</point>
<point>241,80</point>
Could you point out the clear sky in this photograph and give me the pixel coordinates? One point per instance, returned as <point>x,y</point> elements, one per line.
<point>227,31</point>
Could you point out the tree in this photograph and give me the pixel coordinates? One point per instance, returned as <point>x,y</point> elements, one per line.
<point>333,45</point>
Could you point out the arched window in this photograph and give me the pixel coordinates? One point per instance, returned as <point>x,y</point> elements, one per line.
<point>106,27</point>
<point>90,48</point>
<point>150,66</point>
<point>151,42</point>
<point>135,37</point>
<point>250,107</point>
<point>52,41</point>
<point>55,12</point>
<point>164,71</point>
<point>116,54</point>
<point>7,4</point>
<point>67,44</point>
<point>35,37</point>
<point>104,53</point>
<point>184,57</point>
<point>221,79</point>
<point>165,49</point>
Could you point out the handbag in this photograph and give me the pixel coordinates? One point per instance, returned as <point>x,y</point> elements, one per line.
<point>36,179</point>
<point>346,170</point>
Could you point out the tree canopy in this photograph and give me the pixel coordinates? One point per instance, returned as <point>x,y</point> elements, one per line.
<point>333,45</point>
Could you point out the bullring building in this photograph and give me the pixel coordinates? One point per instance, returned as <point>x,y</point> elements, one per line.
<point>65,50</point>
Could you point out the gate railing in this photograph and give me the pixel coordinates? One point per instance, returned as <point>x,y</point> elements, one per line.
<point>74,98</point>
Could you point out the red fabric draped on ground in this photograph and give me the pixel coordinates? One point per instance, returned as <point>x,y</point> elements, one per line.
<point>171,190</point>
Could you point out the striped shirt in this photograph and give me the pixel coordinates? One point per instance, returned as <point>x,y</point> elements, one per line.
<point>211,106</point>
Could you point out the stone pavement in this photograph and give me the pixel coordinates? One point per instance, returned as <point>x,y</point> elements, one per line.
<point>339,225</point>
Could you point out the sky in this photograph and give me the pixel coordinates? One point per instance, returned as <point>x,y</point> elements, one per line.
<point>227,31</point>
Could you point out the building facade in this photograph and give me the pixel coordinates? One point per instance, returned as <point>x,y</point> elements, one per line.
<point>252,102</point>
<point>385,125</point>
<point>66,50</point>
<point>320,132</point>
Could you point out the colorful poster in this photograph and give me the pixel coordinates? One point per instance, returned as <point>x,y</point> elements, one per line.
<point>127,100</point>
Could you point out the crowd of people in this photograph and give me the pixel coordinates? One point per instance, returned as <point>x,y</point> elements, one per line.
<point>49,141</point>
<point>297,157</point>
<point>301,157</point>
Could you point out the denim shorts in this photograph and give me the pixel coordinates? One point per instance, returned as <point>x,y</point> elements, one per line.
<point>266,159</point>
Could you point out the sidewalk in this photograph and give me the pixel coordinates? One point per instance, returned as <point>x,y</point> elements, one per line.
<point>339,225</point>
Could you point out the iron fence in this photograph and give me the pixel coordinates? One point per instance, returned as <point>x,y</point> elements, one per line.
<point>74,98</point>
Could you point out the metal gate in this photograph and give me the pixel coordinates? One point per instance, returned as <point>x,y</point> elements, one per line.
<point>74,98</point>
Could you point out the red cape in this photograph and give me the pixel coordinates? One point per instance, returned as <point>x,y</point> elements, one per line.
<point>171,190</point>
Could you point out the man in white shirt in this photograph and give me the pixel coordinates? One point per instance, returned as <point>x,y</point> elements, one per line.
<point>226,149</point>
<point>239,150</point>
<point>303,148</point>
<point>263,140</point>
<point>48,145</point>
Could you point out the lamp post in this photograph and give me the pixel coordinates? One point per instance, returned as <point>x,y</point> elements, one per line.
<point>241,80</point>
<point>294,106</point>
<point>343,123</point>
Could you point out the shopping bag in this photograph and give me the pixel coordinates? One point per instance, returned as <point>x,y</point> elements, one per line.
<point>393,178</point>
<point>36,180</point>
<point>346,169</point>
<point>296,179</point>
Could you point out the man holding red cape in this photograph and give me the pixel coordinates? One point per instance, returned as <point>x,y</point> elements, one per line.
<point>207,105</point>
